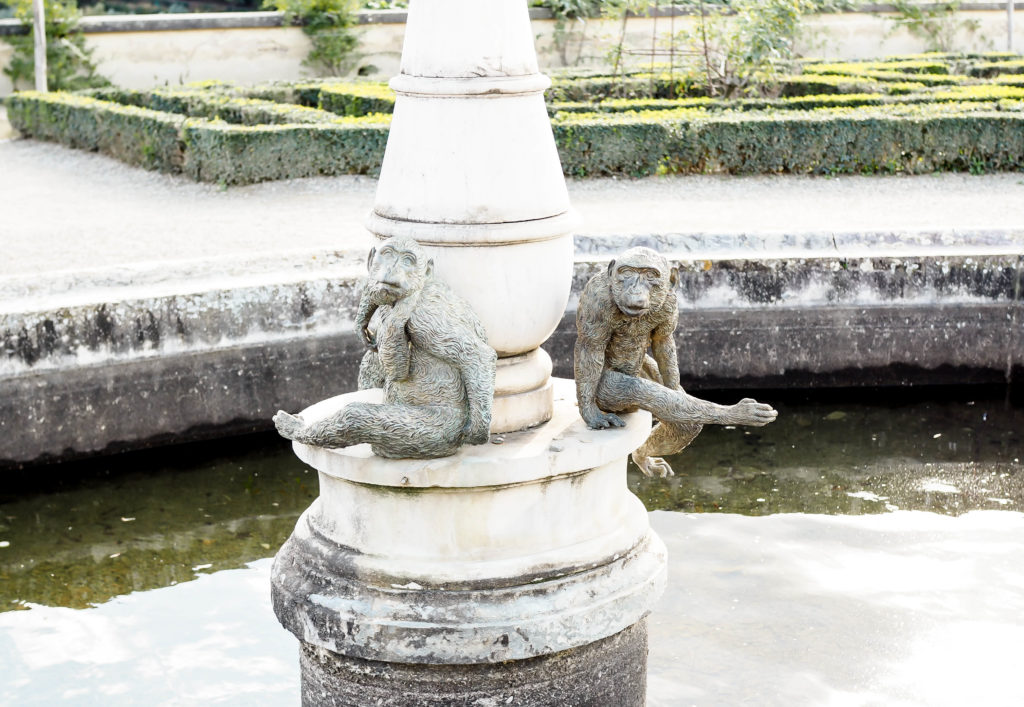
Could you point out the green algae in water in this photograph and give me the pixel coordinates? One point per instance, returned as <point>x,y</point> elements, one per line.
<point>850,458</point>
<point>84,533</point>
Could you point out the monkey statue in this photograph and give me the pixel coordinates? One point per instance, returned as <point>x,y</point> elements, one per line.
<point>621,314</point>
<point>427,350</point>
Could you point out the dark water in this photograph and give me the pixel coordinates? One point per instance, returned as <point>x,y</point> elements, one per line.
<point>78,535</point>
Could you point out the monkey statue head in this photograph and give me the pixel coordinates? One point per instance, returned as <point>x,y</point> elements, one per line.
<point>398,268</point>
<point>640,280</point>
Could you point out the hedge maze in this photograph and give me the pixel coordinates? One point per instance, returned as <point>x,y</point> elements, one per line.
<point>909,114</point>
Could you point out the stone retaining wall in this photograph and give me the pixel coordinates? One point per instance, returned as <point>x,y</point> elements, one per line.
<point>142,51</point>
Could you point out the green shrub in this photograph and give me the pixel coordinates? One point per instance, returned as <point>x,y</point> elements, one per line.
<point>69,64</point>
<point>232,154</point>
<point>822,84</point>
<point>1008,80</point>
<point>854,68</point>
<point>622,105</point>
<point>221,136</point>
<point>138,136</point>
<point>643,85</point>
<point>910,139</point>
<point>328,24</point>
<point>624,143</point>
<point>877,72</point>
<point>989,69</point>
<point>980,92</point>
<point>196,103</point>
<point>355,99</point>
<point>134,135</point>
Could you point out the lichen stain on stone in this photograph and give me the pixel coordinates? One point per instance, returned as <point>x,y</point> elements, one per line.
<point>102,330</point>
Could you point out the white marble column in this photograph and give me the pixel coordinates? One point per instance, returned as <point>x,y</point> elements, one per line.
<point>471,172</point>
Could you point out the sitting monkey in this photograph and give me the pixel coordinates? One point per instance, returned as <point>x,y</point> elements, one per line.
<point>621,314</point>
<point>429,353</point>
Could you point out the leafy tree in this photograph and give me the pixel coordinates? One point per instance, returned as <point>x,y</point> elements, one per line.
<point>328,23</point>
<point>69,64</point>
<point>747,43</point>
<point>935,23</point>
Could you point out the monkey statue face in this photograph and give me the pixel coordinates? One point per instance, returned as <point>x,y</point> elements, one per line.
<point>640,279</point>
<point>399,268</point>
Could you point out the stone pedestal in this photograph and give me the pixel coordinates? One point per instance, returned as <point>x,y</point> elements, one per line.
<point>606,673</point>
<point>486,574</point>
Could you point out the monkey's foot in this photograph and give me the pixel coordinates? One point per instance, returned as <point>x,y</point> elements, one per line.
<point>653,466</point>
<point>474,434</point>
<point>288,426</point>
<point>750,412</point>
<point>603,420</point>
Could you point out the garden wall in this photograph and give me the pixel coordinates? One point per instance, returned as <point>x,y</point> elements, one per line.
<point>143,51</point>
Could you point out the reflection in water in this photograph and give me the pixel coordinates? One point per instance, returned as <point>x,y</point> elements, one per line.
<point>905,608</point>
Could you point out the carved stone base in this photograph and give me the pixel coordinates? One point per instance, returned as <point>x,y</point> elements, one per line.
<point>611,671</point>
<point>518,568</point>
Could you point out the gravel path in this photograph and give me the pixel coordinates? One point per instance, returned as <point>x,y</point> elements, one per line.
<point>71,211</point>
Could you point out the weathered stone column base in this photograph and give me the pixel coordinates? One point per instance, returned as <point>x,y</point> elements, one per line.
<point>611,671</point>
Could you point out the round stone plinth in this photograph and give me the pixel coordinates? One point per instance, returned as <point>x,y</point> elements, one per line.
<point>517,572</point>
<point>611,671</point>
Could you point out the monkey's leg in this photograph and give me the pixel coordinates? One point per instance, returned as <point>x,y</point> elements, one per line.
<point>394,431</point>
<point>618,391</point>
<point>371,373</point>
<point>665,439</point>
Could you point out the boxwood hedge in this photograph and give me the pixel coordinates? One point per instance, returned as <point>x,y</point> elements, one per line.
<point>858,119</point>
<point>138,136</point>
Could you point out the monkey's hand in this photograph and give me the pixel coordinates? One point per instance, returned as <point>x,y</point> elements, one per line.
<point>597,420</point>
<point>474,433</point>
<point>288,426</point>
<point>653,466</point>
<point>368,339</point>
<point>750,412</point>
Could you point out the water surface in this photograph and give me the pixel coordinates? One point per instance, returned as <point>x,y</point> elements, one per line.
<point>860,550</point>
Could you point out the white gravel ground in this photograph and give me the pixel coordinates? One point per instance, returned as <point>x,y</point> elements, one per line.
<point>68,210</point>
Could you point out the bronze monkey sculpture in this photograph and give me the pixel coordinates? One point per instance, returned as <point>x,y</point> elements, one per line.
<point>621,314</point>
<point>427,350</point>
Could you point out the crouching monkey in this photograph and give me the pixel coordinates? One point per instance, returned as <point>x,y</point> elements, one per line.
<point>621,314</point>
<point>427,350</point>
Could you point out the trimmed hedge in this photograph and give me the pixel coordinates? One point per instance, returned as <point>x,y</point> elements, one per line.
<point>958,137</point>
<point>907,66</point>
<point>138,136</point>
<point>206,150</point>
<point>836,100</point>
<point>659,85</point>
<point>827,84</point>
<point>994,68</point>
<point>196,103</point>
<point>234,135</point>
<point>231,154</point>
<point>355,99</point>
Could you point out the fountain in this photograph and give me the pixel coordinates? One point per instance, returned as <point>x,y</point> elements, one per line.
<point>518,571</point>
